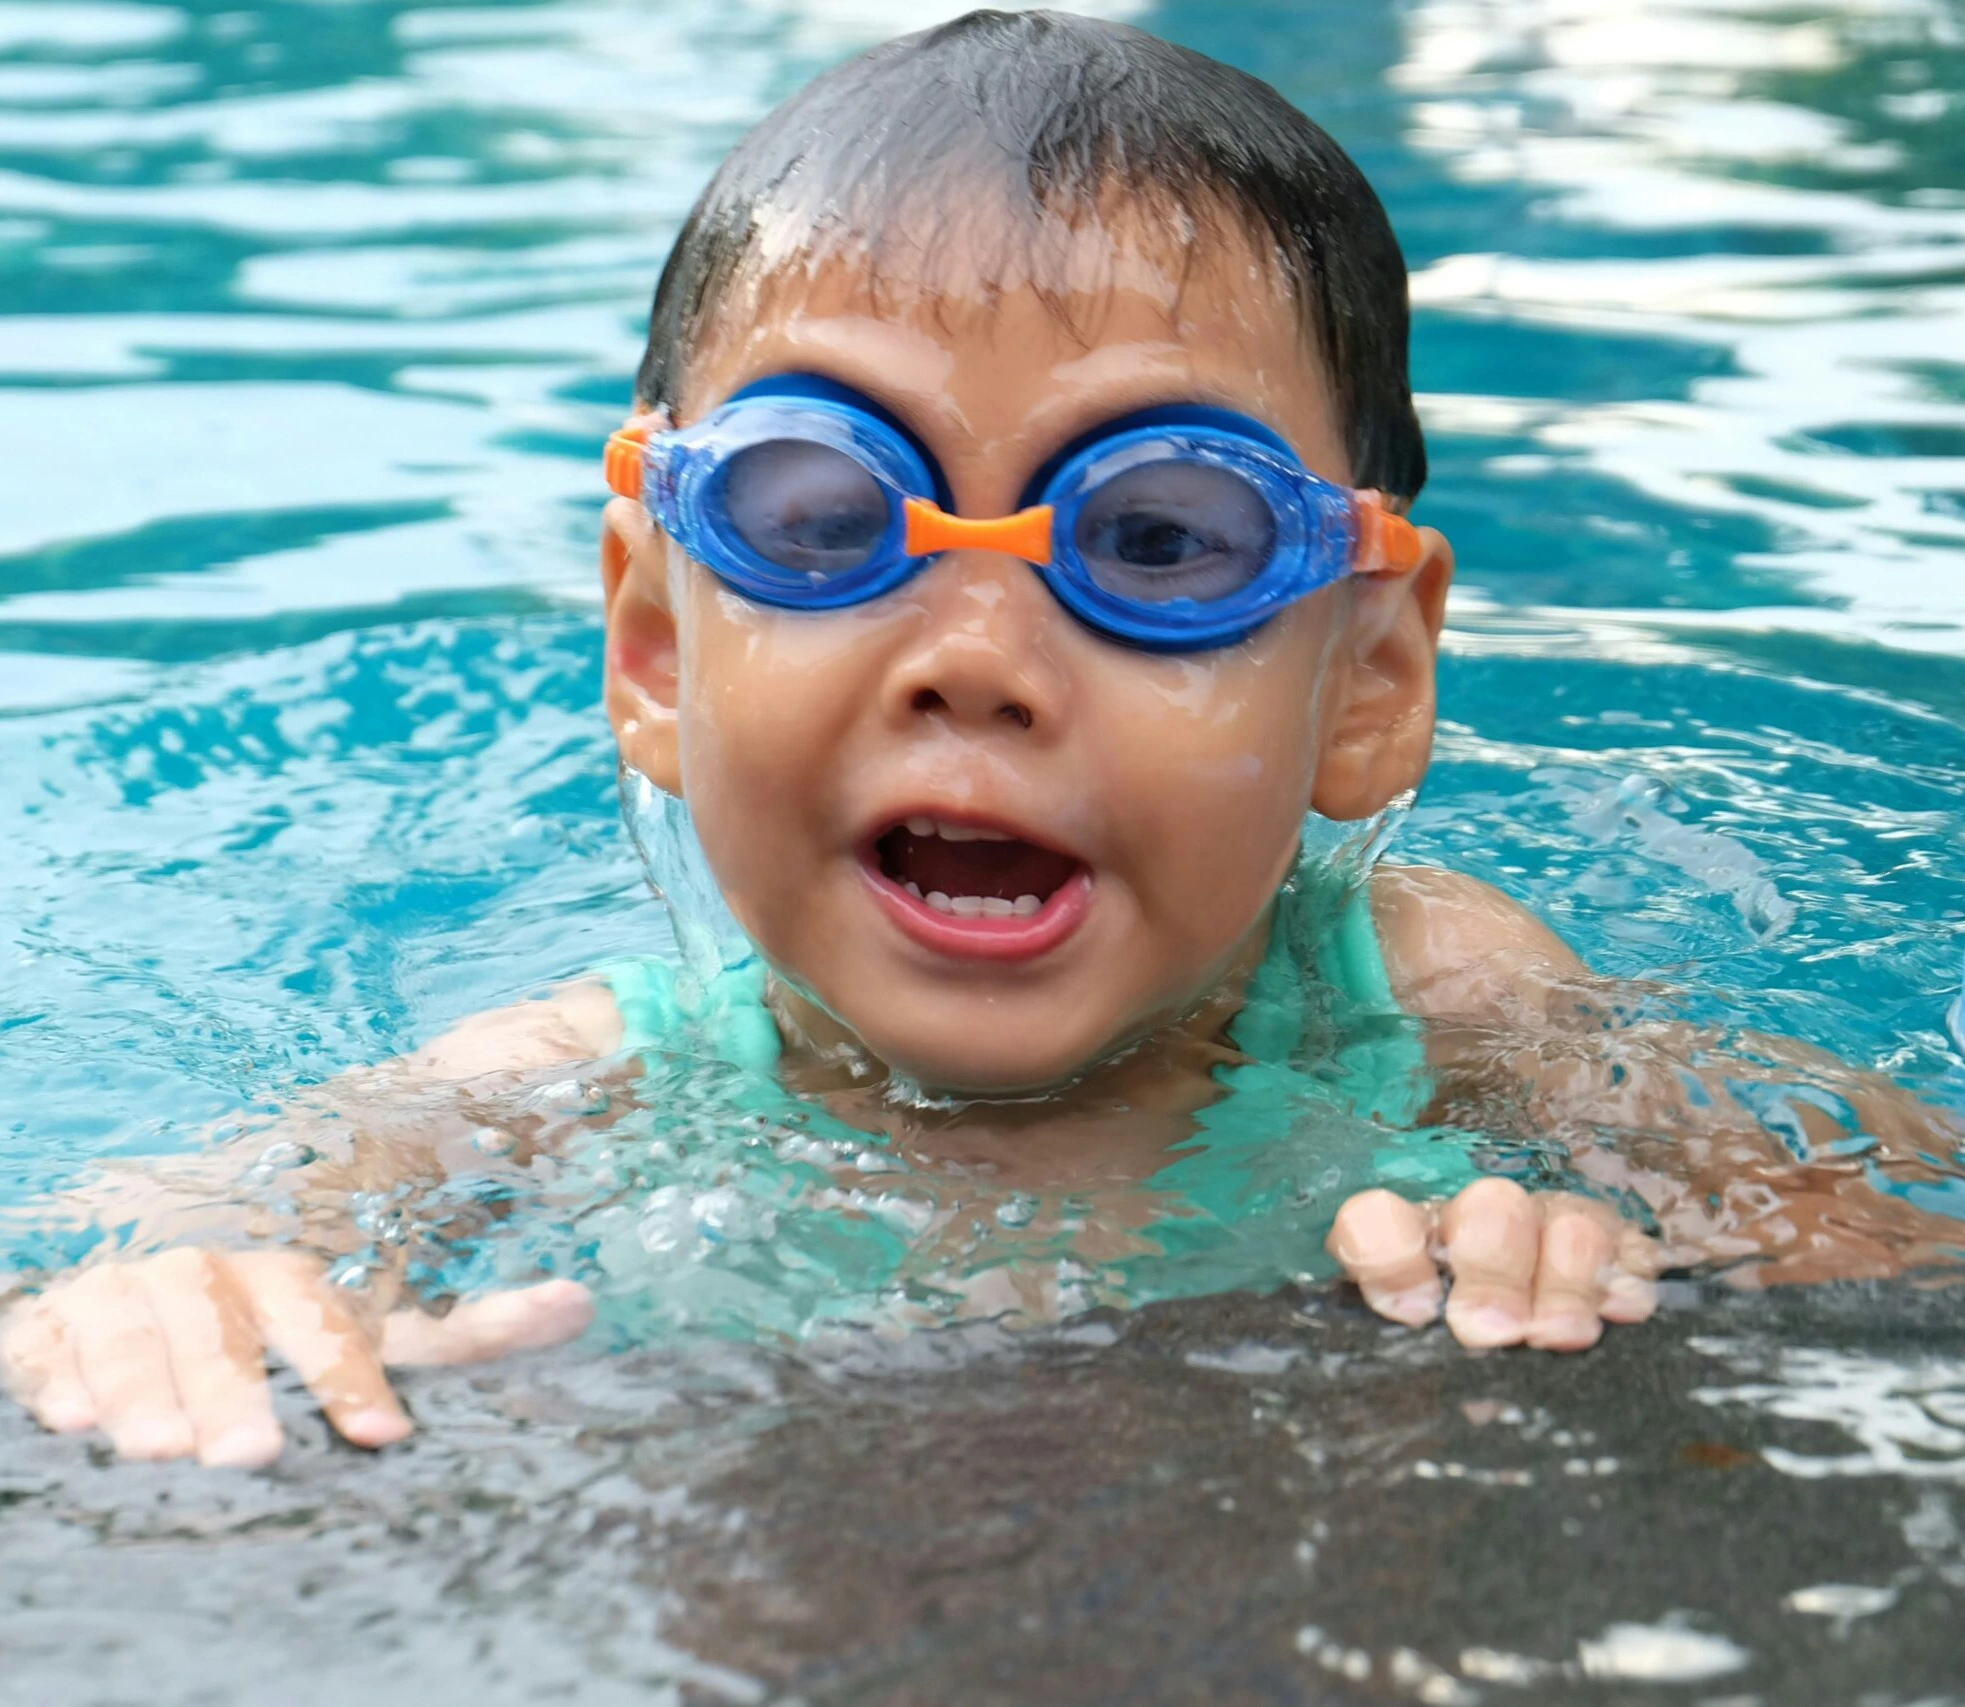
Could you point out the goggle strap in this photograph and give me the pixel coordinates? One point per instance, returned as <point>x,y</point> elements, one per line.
<point>622,461</point>
<point>1387,544</point>
<point>931,529</point>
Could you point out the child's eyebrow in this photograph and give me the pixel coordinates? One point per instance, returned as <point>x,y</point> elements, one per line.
<point>936,418</point>
<point>879,357</point>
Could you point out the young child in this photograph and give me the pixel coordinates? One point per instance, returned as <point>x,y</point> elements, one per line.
<point>1009,556</point>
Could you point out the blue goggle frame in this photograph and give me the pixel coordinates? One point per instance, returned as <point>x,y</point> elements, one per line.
<point>1322,531</point>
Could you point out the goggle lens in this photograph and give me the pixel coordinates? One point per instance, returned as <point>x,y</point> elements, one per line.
<point>1167,530</point>
<point>807,508</point>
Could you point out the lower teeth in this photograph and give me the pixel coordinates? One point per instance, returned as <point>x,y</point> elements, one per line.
<point>978,906</point>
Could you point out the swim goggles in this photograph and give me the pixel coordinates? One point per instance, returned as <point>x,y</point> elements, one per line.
<point>1173,529</point>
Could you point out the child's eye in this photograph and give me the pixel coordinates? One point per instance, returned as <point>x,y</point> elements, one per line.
<point>1174,530</point>
<point>1147,541</point>
<point>805,507</point>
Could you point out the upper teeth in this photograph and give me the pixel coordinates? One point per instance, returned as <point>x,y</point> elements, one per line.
<point>924,826</point>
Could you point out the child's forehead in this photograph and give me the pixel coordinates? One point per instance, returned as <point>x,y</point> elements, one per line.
<point>972,289</point>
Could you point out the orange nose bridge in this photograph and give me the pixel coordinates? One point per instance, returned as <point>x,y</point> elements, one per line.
<point>930,529</point>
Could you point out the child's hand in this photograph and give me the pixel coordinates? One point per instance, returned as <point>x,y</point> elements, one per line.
<point>167,1355</point>
<point>1546,1270</point>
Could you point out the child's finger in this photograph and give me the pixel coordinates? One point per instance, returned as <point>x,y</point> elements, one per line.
<point>1632,1292</point>
<point>1638,1253</point>
<point>527,1319</point>
<point>119,1349</point>
<point>1493,1234</point>
<point>37,1361</point>
<point>1385,1245</point>
<point>1579,1247</point>
<point>318,1337</point>
<point>216,1357</point>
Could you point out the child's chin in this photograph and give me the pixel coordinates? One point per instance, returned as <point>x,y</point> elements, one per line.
<point>999,1067</point>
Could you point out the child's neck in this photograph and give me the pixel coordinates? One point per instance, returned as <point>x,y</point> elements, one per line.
<point>1118,1119</point>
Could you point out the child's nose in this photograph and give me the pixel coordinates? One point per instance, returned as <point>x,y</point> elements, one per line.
<point>982,653</point>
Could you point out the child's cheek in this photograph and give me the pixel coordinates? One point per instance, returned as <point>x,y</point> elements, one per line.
<point>768,704</point>
<point>1221,772</point>
<point>762,689</point>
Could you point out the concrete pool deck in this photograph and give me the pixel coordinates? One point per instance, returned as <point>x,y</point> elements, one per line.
<point>1752,1499</point>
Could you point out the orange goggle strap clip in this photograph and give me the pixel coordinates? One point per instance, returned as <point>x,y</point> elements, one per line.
<point>622,461</point>
<point>1387,544</point>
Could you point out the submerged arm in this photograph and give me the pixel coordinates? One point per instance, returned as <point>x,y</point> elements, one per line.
<point>1760,1153</point>
<point>166,1352</point>
<point>373,1128</point>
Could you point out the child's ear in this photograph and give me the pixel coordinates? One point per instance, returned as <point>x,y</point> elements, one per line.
<point>1380,736</point>
<point>642,681</point>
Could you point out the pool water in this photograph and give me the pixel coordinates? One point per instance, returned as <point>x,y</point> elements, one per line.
<point>315,318</point>
<point>313,315</point>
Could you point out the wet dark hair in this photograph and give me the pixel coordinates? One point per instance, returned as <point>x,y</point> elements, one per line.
<point>1062,118</point>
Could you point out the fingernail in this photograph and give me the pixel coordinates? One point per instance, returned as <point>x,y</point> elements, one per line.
<point>250,1446</point>
<point>1415,1308</point>
<point>1564,1330</point>
<point>376,1426</point>
<point>1485,1325</point>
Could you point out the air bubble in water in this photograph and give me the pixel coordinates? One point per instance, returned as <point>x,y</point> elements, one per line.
<point>1017,1210</point>
<point>574,1096</point>
<point>490,1141</point>
<point>726,1216</point>
<point>909,1215</point>
<point>667,1223</point>
<point>277,1157</point>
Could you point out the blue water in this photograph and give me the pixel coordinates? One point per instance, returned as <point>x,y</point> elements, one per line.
<point>313,318</point>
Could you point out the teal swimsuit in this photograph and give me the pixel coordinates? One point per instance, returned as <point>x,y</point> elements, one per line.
<point>664,1007</point>
<point>1326,1103</point>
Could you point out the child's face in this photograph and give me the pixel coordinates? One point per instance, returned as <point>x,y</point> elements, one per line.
<point>1169,790</point>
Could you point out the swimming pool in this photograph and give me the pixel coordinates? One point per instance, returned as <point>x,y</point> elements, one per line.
<point>315,315</point>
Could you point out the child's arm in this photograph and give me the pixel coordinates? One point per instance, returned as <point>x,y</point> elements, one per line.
<point>166,1353</point>
<point>1528,1032</point>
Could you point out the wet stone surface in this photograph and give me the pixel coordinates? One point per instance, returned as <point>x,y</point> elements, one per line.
<point>1233,1500</point>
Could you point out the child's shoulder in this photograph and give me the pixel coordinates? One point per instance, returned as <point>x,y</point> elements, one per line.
<point>574,1022</point>
<point>1457,948</point>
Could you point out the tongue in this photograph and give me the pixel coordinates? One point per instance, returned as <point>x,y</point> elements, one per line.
<point>1003,869</point>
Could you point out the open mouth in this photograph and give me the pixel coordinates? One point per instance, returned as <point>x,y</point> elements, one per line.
<point>968,872</point>
<point>977,889</point>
